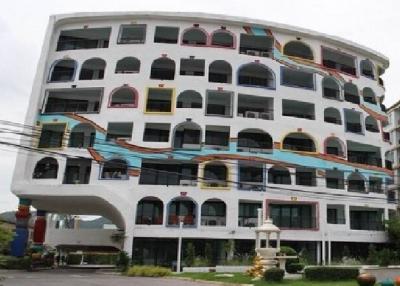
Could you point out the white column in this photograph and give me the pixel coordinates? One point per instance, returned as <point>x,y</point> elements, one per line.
<point>260,216</point>
<point>278,240</point>
<point>128,243</point>
<point>323,251</point>
<point>258,244</point>
<point>318,252</point>
<point>329,251</point>
<point>178,264</point>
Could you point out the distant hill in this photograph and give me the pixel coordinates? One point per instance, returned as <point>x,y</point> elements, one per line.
<point>87,224</point>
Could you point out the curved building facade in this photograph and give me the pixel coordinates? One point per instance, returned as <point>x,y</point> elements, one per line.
<point>152,119</point>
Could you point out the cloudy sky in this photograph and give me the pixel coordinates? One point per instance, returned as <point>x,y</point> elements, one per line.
<point>22,24</point>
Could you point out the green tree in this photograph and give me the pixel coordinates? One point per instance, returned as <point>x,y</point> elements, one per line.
<point>5,238</point>
<point>208,253</point>
<point>190,254</point>
<point>393,228</point>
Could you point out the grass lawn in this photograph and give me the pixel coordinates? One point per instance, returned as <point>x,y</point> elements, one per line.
<point>241,278</point>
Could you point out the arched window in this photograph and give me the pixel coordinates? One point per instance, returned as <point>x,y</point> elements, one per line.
<point>330,88</point>
<point>194,36</point>
<point>213,213</point>
<point>279,175</point>
<point>124,96</point>
<point>371,124</point>
<point>306,176</point>
<point>128,65</point>
<point>257,75</point>
<point>356,182</point>
<point>254,140</point>
<point>298,141</point>
<point>82,136</point>
<point>63,70</point>
<point>367,68</point>
<point>187,136</point>
<point>351,93</point>
<point>115,169</point>
<point>189,99</point>
<point>332,115</point>
<point>215,175</point>
<point>298,49</point>
<point>222,38</point>
<point>334,146</point>
<point>163,68</point>
<point>182,209</point>
<point>92,69</point>
<point>369,95</point>
<point>46,168</point>
<point>220,71</point>
<point>334,179</point>
<point>150,211</point>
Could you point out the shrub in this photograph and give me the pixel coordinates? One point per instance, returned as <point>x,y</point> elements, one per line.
<point>190,254</point>
<point>101,259</point>
<point>148,271</point>
<point>294,267</point>
<point>287,250</point>
<point>321,273</point>
<point>123,261</point>
<point>11,262</point>
<point>274,274</point>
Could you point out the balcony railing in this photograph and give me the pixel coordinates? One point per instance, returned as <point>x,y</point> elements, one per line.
<point>149,220</point>
<point>294,222</point>
<point>213,220</point>
<point>353,127</point>
<point>248,221</point>
<point>371,225</point>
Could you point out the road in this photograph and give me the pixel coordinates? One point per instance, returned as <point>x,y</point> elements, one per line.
<point>85,278</point>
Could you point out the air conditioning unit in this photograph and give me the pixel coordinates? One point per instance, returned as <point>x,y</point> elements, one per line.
<point>187,183</point>
<point>252,52</point>
<point>265,54</point>
<point>265,115</point>
<point>251,114</point>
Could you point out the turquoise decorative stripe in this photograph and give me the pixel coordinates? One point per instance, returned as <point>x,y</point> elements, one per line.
<point>109,150</point>
<point>258,31</point>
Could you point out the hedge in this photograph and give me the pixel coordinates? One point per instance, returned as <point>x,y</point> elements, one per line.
<point>274,274</point>
<point>11,262</point>
<point>321,273</point>
<point>148,271</point>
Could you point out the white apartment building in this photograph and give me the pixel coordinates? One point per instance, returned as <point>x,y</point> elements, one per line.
<point>150,119</point>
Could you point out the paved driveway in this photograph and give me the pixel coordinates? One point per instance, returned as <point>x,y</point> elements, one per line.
<point>84,278</point>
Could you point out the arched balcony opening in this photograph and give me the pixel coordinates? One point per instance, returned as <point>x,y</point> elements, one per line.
<point>351,93</point>
<point>46,168</point>
<point>367,68</point>
<point>298,141</point>
<point>334,179</point>
<point>371,124</point>
<point>356,183</point>
<point>182,209</point>
<point>213,213</point>
<point>220,71</point>
<point>124,97</point>
<point>332,115</point>
<point>375,185</point>
<point>222,38</point>
<point>254,140</point>
<point>187,136</point>
<point>82,135</point>
<point>298,49</point>
<point>115,169</point>
<point>330,88</point>
<point>369,95</point>
<point>216,175</point>
<point>279,175</point>
<point>150,211</point>
<point>189,99</point>
<point>306,176</point>
<point>163,68</point>
<point>128,65</point>
<point>93,69</point>
<point>251,176</point>
<point>63,70</point>
<point>256,75</point>
<point>194,36</point>
<point>333,146</point>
